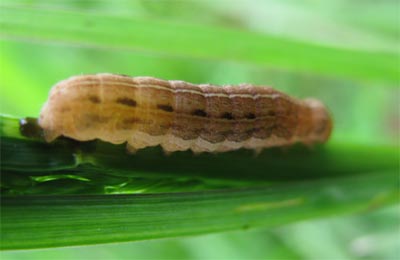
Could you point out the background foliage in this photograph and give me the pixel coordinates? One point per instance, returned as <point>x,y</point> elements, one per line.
<point>344,53</point>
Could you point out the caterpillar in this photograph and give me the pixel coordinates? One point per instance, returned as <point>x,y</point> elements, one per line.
<point>146,111</point>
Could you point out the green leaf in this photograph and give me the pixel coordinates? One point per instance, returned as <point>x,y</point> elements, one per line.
<point>36,157</point>
<point>49,221</point>
<point>237,190</point>
<point>194,42</point>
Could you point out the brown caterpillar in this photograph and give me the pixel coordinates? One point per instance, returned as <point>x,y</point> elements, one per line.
<point>146,111</point>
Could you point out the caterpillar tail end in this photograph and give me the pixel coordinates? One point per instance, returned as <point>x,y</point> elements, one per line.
<point>321,120</point>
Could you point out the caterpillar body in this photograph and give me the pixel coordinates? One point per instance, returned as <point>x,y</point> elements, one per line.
<point>146,111</point>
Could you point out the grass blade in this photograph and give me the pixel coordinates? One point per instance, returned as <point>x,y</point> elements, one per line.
<point>193,41</point>
<point>50,221</point>
<point>280,187</point>
<point>91,159</point>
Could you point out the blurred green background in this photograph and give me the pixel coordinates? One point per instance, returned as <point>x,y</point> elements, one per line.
<point>346,53</point>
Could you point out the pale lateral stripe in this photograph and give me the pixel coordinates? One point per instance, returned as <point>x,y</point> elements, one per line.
<point>140,140</point>
<point>257,96</point>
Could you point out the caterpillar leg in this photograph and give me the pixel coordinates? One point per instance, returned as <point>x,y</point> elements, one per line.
<point>130,149</point>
